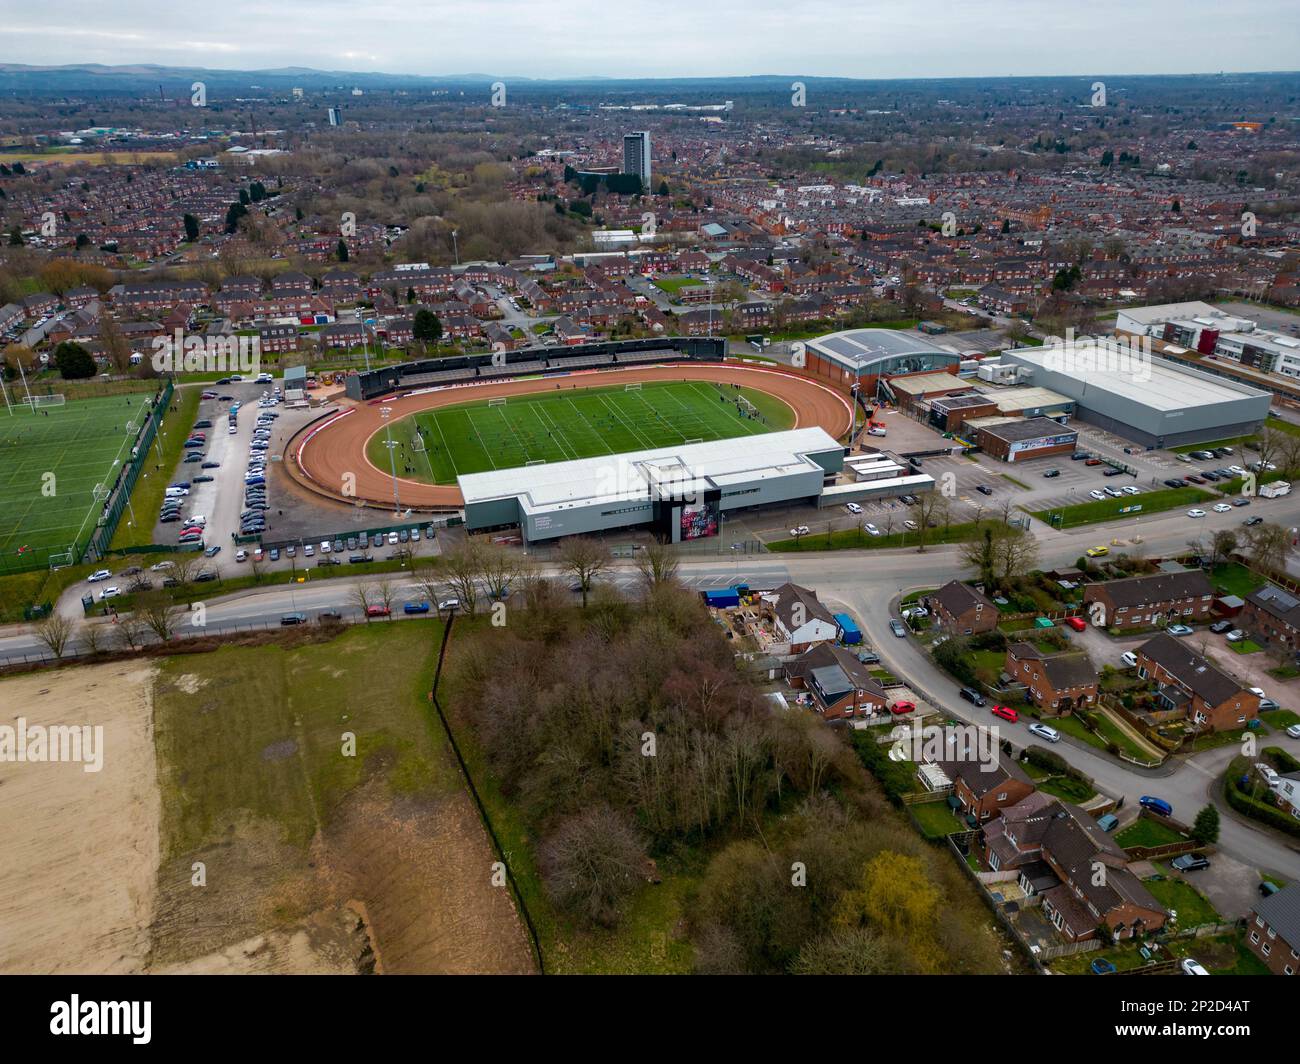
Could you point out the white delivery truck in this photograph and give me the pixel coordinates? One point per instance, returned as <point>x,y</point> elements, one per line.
<point>1274,488</point>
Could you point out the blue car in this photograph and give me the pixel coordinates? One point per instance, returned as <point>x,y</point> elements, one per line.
<point>1156,805</point>
<point>416,607</point>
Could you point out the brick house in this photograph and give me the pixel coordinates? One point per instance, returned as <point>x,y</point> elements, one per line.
<point>1059,682</point>
<point>962,610</point>
<point>1080,872</point>
<point>1151,601</point>
<point>275,338</point>
<point>985,792</point>
<point>1197,690</point>
<point>1273,614</point>
<point>1273,931</point>
<point>840,685</point>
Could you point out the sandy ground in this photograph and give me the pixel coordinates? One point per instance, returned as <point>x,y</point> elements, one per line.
<point>79,850</point>
<point>328,943</point>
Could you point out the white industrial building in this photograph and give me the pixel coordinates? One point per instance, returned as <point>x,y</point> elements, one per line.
<point>679,492</point>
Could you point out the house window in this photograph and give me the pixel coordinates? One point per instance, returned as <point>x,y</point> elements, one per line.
<point>1002,797</point>
<point>1254,937</point>
<point>1266,949</point>
<point>1288,970</point>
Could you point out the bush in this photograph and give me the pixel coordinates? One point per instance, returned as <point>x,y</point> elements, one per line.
<point>1253,807</point>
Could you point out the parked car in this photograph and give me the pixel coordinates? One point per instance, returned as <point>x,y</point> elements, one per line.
<point>1097,552</point>
<point>378,611</point>
<point>1219,627</point>
<point>853,507</point>
<point>1101,966</point>
<point>415,607</point>
<point>293,618</point>
<point>1251,522</point>
<point>1179,629</point>
<point>1050,473</point>
<point>1129,658</point>
<point>98,575</point>
<point>1195,513</point>
<point>1077,623</point>
<point>901,707</point>
<point>983,489</point>
<point>897,628</point>
<point>1293,731</point>
<point>1108,823</point>
<point>972,696</point>
<point>1236,636</point>
<point>1005,712</point>
<point>1190,862</point>
<point>1193,967</point>
<point>1044,732</point>
<point>1156,805</point>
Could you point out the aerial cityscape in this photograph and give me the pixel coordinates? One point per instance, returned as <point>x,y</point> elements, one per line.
<point>644,514</point>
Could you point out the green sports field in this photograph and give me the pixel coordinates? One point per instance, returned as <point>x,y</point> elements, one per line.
<point>438,445</point>
<point>49,467</point>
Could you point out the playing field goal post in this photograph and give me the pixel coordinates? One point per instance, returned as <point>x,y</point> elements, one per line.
<point>632,387</point>
<point>41,401</point>
<point>61,559</point>
<point>497,402</point>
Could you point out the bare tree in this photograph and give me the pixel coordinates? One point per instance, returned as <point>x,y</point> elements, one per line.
<point>427,576</point>
<point>160,614</point>
<point>500,568</point>
<point>92,637</point>
<point>55,632</point>
<point>256,565</point>
<point>1268,546</point>
<point>463,572</point>
<point>929,508</point>
<point>657,565</point>
<point>593,863</point>
<point>585,560</point>
<point>130,631</point>
<point>362,597</point>
<point>186,566</point>
<point>386,591</point>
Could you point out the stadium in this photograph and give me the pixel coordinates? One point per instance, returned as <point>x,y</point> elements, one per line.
<point>483,445</point>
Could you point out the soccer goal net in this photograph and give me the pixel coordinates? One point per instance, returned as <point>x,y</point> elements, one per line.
<point>632,387</point>
<point>39,401</point>
<point>497,402</point>
<point>61,560</point>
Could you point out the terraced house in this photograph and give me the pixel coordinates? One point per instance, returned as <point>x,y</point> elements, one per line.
<point>1189,687</point>
<point>1080,872</point>
<point>1273,616</point>
<point>1150,601</point>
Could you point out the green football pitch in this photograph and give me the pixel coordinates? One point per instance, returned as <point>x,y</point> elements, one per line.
<point>436,446</point>
<point>51,461</point>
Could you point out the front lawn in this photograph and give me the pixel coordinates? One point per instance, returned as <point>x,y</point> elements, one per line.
<point>936,820</point>
<point>1147,832</point>
<point>1192,906</point>
<point>1220,954</point>
<point>1070,790</point>
<point>1246,646</point>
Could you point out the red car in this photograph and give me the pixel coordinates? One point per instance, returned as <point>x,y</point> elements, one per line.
<point>377,611</point>
<point>1077,623</point>
<point>902,707</point>
<point>1006,713</point>
<point>1093,461</point>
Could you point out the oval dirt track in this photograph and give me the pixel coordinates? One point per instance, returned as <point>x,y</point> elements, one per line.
<point>319,457</point>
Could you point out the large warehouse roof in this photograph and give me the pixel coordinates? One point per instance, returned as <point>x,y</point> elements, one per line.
<point>858,348</point>
<point>1152,382</point>
<point>632,476</point>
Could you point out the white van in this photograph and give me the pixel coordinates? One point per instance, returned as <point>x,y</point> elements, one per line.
<point>877,432</point>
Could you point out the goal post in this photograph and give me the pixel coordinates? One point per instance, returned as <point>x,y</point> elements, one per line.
<point>497,402</point>
<point>61,560</point>
<point>40,401</point>
<point>632,387</point>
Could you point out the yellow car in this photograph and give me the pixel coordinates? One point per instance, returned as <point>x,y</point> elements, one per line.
<point>1097,552</point>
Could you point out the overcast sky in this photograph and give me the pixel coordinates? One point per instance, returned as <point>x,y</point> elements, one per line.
<point>667,38</point>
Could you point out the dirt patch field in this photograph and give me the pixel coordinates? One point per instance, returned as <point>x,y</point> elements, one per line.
<point>79,850</point>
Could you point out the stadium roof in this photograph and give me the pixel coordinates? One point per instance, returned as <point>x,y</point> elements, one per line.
<point>857,348</point>
<point>633,476</point>
<point>1152,382</point>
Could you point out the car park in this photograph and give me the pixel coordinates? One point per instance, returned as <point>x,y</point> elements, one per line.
<point>1045,732</point>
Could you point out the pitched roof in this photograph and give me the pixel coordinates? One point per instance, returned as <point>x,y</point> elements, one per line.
<point>787,595</point>
<point>973,773</point>
<point>956,598</point>
<point>1158,587</point>
<point>1212,685</point>
<point>1282,912</point>
<point>1281,604</point>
